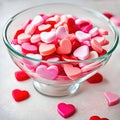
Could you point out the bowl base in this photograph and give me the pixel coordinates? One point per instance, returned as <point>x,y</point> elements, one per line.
<point>56,90</point>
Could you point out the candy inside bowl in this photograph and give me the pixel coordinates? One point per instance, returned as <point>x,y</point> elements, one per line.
<point>59,45</point>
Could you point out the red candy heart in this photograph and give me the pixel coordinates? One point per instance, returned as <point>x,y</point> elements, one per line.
<point>97,78</point>
<point>20,95</point>
<point>66,110</point>
<point>21,75</point>
<point>97,118</point>
<point>18,32</point>
<point>108,14</point>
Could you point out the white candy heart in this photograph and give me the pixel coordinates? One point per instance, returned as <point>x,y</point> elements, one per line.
<point>48,37</point>
<point>81,36</point>
<point>82,52</point>
<point>38,20</point>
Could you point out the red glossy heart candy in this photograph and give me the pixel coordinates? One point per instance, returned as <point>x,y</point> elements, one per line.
<point>108,14</point>
<point>96,78</point>
<point>95,118</point>
<point>20,95</point>
<point>21,75</point>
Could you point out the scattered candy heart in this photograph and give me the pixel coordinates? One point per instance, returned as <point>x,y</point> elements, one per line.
<point>20,95</point>
<point>21,75</point>
<point>96,78</point>
<point>95,117</point>
<point>66,110</point>
<point>108,14</point>
<point>111,98</point>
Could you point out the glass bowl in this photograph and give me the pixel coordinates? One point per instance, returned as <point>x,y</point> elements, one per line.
<point>59,78</point>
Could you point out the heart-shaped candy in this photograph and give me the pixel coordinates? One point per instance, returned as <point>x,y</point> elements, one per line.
<point>35,38</point>
<point>97,118</point>
<point>29,48</point>
<point>61,32</point>
<point>66,110</point>
<point>81,36</point>
<point>96,46</point>
<point>72,72</point>
<point>21,75</point>
<point>49,73</point>
<point>18,32</point>
<point>23,38</point>
<point>38,20</point>
<point>53,20</point>
<point>31,64</point>
<point>45,27</point>
<point>111,98</point>
<point>82,52</point>
<point>96,78</point>
<point>94,32</point>
<point>65,46</point>
<point>46,49</point>
<point>30,29</point>
<point>20,95</point>
<point>48,37</point>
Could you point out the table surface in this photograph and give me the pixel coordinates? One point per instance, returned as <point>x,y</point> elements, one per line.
<point>90,98</point>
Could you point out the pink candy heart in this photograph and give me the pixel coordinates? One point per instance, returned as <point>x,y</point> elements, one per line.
<point>66,110</point>
<point>82,52</point>
<point>29,48</point>
<point>48,37</point>
<point>49,73</point>
<point>38,20</point>
<point>112,98</point>
<point>81,36</point>
<point>23,38</point>
<point>61,32</point>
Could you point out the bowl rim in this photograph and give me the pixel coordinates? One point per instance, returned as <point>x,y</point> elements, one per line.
<point>113,27</point>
